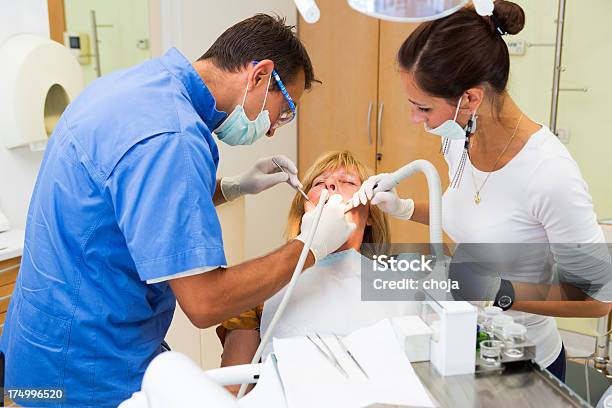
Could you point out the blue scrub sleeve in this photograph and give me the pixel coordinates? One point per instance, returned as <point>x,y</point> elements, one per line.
<point>161,192</point>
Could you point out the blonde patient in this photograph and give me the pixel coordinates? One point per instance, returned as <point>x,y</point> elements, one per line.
<point>327,297</point>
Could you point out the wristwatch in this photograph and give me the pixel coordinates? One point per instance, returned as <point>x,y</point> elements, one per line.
<point>505,296</point>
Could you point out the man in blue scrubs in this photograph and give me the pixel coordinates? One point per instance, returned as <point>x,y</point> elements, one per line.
<point>122,221</point>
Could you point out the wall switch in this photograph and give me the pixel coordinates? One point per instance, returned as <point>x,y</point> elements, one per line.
<point>516,47</point>
<point>564,135</point>
<point>78,43</point>
<point>142,44</point>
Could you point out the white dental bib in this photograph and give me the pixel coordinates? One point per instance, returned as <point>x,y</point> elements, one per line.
<point>327,299</point>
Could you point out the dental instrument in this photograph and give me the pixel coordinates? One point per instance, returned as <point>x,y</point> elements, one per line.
<point>280,379</point>
<point>331,355</point>
<point>328,357</point>
<point>290,286</point>
<point>296,187</point>
<point>348,206</point>
<point>348,352</point>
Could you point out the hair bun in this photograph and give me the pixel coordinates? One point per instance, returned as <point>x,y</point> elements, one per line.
<point>510,16</point>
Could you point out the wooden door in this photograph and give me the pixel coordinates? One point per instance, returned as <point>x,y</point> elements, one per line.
<point>400,141</point>
<point>57,20</point>
<point>343,46</point>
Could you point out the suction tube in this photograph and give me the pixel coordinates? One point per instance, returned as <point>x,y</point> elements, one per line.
<point>435,194</point>
<point>294,278</point>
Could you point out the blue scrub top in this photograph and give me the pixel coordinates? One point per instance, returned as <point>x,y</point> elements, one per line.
<point>124,195</point>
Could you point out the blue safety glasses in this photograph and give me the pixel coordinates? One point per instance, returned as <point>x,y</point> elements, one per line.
<point>287,114</point>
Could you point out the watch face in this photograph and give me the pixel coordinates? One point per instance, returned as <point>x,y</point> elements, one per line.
<point>505,301</point>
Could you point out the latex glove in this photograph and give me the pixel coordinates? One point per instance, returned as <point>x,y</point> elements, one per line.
<point>262,176</point>
<point>388,201</point>
<point>333,230</point>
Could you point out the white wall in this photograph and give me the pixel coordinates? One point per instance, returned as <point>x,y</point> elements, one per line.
<point>19,167</point>
<point>587,61</point>
<point>254,225</point>
<point>123,24</point>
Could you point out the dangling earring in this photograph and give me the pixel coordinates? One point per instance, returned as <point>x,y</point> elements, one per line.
<point>445,146</point>
<point>469,131</point>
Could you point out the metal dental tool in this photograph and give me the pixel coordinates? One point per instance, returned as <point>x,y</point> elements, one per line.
<point>280,379</point>
<point>296,187</point>
<point>329,357</point>
<point>348,352</point>
<point>348,206</point>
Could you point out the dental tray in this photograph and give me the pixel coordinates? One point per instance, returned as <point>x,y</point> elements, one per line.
<point>529,353</point>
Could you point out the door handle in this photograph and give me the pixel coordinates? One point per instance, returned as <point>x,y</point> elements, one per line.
<point>370,122</point>
<point>380,114</point>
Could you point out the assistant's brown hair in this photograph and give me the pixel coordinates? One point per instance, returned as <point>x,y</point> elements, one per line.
<point>461,51</point>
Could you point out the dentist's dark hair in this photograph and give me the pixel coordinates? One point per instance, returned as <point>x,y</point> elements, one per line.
<point>262,37</point>
<point>461,51</point>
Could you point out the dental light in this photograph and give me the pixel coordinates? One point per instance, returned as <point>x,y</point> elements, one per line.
<point>403,11</point>
<point>407,11</point>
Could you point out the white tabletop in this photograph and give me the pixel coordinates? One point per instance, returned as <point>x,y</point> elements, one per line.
<point>11,244</point>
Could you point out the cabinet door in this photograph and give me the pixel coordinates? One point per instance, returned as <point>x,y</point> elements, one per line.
<point>343,46</point>
<point>399,140</point>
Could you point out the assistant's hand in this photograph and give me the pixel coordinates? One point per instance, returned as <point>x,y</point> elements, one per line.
<point>388,201</point>
<point>333,230</point>
<point>262,176</point>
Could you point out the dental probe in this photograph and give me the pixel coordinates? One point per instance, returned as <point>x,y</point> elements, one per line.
<point>348,352</point>
<point>348,206</point>
<point>296,187</point>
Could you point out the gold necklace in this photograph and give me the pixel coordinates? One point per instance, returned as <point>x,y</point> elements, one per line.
<point>477,198</point>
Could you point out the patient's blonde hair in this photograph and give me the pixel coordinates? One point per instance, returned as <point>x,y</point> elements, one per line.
<point>377,232</point>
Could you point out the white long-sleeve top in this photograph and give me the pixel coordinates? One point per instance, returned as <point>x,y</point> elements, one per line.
<point>540,196</point>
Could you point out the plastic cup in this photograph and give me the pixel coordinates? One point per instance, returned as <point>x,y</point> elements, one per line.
<point>488,313</point>
<point>514,337</point>
<point>498,323</point>
<point>490,352</point>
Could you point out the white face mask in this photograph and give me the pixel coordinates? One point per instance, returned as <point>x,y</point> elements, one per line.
<point>450,129</point>
<point>238,129</point>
